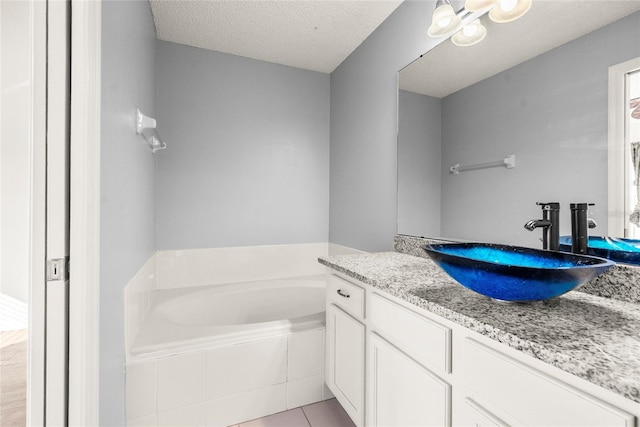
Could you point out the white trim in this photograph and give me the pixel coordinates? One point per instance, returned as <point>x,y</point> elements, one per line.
<point>84,331</point>
<point>56,343</point>
<point>37,212</point>
<point>617,214</point>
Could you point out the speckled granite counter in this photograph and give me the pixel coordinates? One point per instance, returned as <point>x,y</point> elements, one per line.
<point>592,337</point>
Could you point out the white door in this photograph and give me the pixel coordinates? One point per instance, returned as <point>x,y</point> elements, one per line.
<point>57,288</point>
<point>34,212</point>
<point>23,72</point>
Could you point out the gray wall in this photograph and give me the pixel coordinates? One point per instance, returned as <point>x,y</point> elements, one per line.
<point>551,111</point>
<point>247,161</point>
<point>127,183</point>
<point>364,111</point>
<point>419,164</point>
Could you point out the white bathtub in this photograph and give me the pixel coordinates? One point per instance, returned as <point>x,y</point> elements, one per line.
<point>189,319</point>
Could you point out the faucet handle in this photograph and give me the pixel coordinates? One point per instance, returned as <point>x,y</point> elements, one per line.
<point>581,206</point>
<point>548,206</point>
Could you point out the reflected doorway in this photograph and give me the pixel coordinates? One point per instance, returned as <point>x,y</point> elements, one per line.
<point>624,150</point>
<point>632,143</point>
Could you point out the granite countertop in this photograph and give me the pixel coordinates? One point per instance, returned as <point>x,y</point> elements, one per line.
<point>594,338</point>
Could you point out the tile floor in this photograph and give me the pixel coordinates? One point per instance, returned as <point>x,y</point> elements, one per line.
<point>13,378</point>
<point>328,413</point>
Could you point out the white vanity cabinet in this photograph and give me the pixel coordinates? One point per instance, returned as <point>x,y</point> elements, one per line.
<point>523,395</point>
<point>401,391</point>
<point>424,370</point>
<point>407,355</point>
<point>345,347</point>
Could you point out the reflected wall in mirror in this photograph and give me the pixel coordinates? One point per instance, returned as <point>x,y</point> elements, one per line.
<point>536,88</point>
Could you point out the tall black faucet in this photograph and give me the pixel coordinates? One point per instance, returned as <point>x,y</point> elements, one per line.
<point>580,224</point>
<point>550,224</point>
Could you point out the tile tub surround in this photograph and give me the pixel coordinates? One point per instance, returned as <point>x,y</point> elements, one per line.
<point>146,378</point>
<point>591,337</point>
<point>138,297</point>
<point>230,384</point>
<point>212,266</point>
<point>621,282</point>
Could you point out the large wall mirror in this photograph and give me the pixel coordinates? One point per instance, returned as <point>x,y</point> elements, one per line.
<point>536,88</point>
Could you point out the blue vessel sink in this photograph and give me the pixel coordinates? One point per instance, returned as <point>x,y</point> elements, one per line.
<point>614,248</point>
<point>512,273</point>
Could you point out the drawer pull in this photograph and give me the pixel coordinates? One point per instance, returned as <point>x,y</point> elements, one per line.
<point>342,294</point>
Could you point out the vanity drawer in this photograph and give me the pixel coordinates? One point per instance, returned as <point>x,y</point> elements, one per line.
<point>527,396</point>
<point>346,295</point>
<point>425,340</point>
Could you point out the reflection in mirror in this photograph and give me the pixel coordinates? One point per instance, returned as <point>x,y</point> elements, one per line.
<point>632,132</point>
<point>536,88</point>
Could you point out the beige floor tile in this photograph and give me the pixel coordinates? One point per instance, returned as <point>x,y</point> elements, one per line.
<point>291,418</point>
<point>13,378</point>
<point>328,413</point>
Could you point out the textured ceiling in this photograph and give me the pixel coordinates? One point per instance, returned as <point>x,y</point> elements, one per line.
<point>549,24</point>
<point>311,34</point>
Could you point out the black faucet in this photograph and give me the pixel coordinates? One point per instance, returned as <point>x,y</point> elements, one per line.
<point>550,224</point>
<point>580,224</point>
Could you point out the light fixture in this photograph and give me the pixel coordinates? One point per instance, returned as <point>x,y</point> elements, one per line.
<point>478,5</point>
<point>509,10</point>
<point>445,21</point>
<point>470,34</point>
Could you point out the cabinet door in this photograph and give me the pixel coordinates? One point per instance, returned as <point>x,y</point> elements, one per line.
<point>481,417</point>
<point>402,392</point>
<point>345,361</point>
<point>524,396</point>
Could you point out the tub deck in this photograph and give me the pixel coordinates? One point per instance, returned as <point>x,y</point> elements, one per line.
<point>160,337</point>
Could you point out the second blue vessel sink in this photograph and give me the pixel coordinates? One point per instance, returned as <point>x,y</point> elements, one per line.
<point>513,273</point>
<point>613,248</point>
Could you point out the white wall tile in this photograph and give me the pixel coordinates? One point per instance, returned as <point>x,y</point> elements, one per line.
<point>198,267</point>
<point>305,354</point>
<point>246,406</point>
<point>148,421</point>
<point>187,416</point>
<point>304,391</point>
<point>181,380</point>
<point>138,297</point>
<point>141,389</point>
<point>239,368</point>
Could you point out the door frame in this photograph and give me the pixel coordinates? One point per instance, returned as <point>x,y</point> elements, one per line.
<point>37,213</point>
<point>84,284</point>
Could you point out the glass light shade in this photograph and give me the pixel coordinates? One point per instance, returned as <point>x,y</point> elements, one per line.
<point>445,21</point>
<point>470,34</point>
<point>509,10</point>
<point>478,5</point>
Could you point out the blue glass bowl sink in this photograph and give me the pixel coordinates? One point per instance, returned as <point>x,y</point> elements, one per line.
<point>512,273</point>
<point>616,249</point>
